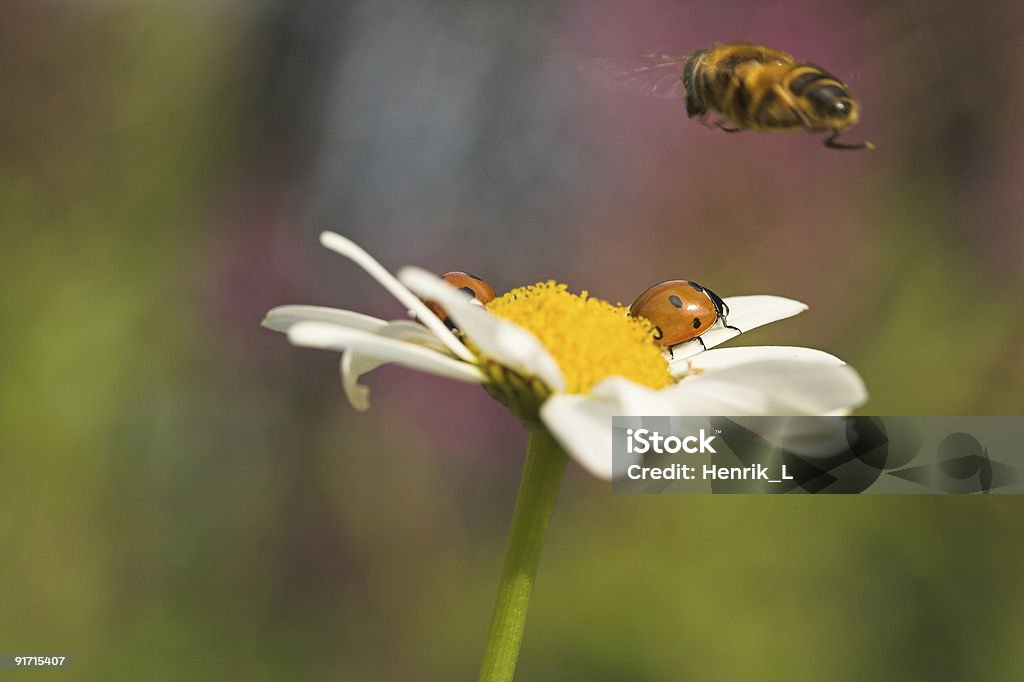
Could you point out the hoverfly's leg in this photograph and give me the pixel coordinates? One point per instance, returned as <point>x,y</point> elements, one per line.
<point>802,117</point>
<point>719,124</point>
<point>792,109</point>
<point>831,143</point>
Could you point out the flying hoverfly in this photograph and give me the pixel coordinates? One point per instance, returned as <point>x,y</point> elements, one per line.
<point>752,87</point>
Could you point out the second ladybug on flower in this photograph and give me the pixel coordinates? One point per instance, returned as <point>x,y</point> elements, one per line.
<point>478,290</point>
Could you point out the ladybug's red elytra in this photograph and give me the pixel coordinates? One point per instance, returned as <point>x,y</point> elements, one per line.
<point>479,290</point>
<point>680,311</point>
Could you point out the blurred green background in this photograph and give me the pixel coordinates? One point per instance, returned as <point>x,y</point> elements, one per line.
<point>185,496</point>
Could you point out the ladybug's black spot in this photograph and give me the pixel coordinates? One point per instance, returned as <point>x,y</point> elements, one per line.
<point>675,300</point>
<point>658,334</point>
<point>696,323</point>
<point>469,291</point>
<point>696,286</point>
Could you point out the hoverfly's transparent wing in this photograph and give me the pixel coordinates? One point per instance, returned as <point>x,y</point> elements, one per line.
<point>654,75</point>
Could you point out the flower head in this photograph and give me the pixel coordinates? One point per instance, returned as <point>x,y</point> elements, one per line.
<point>569,362</point>
<point>588,338</point>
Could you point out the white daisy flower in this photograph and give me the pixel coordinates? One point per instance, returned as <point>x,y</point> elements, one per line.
<point>569,363</point>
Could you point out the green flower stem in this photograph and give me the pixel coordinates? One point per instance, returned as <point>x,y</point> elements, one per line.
<point>538,490</point>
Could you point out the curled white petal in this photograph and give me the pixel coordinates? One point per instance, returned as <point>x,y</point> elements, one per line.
<point>720,358</point>
<point>355,363</point>
<point>745,313</point>
<point>352,367</point>
<point>355,253</point>
<point>505,342</point>
<point>332,337</point>
<point>281,318</point>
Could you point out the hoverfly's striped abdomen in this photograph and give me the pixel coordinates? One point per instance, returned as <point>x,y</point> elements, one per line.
<point>725,78</point>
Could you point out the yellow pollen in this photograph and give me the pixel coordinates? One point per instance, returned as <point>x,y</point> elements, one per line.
<point>590,339</point>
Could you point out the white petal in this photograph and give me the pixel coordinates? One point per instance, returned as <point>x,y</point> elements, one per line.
<point>583,426</point>
<point>413,332</point>
<point>805,383</point>
<point>505,342</point>
<point>332,337</point>
<point>748,312</point>
<point>708,398</point>
<point>354,363</point>
<point>713,397</point>
<point>355,253</point>
<point>721,358</point>
<point>281,318</point>
<point>630,397</point>
<point>745,313</point>
<point>790,387</point>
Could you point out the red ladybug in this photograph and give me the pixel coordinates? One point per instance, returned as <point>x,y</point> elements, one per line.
<point>680,311</point>
<point>479,290</point>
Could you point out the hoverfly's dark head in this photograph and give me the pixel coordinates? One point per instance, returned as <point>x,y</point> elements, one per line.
<point>834,105</point>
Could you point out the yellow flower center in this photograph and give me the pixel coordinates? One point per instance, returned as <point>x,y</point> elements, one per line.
<point>590,339</point>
